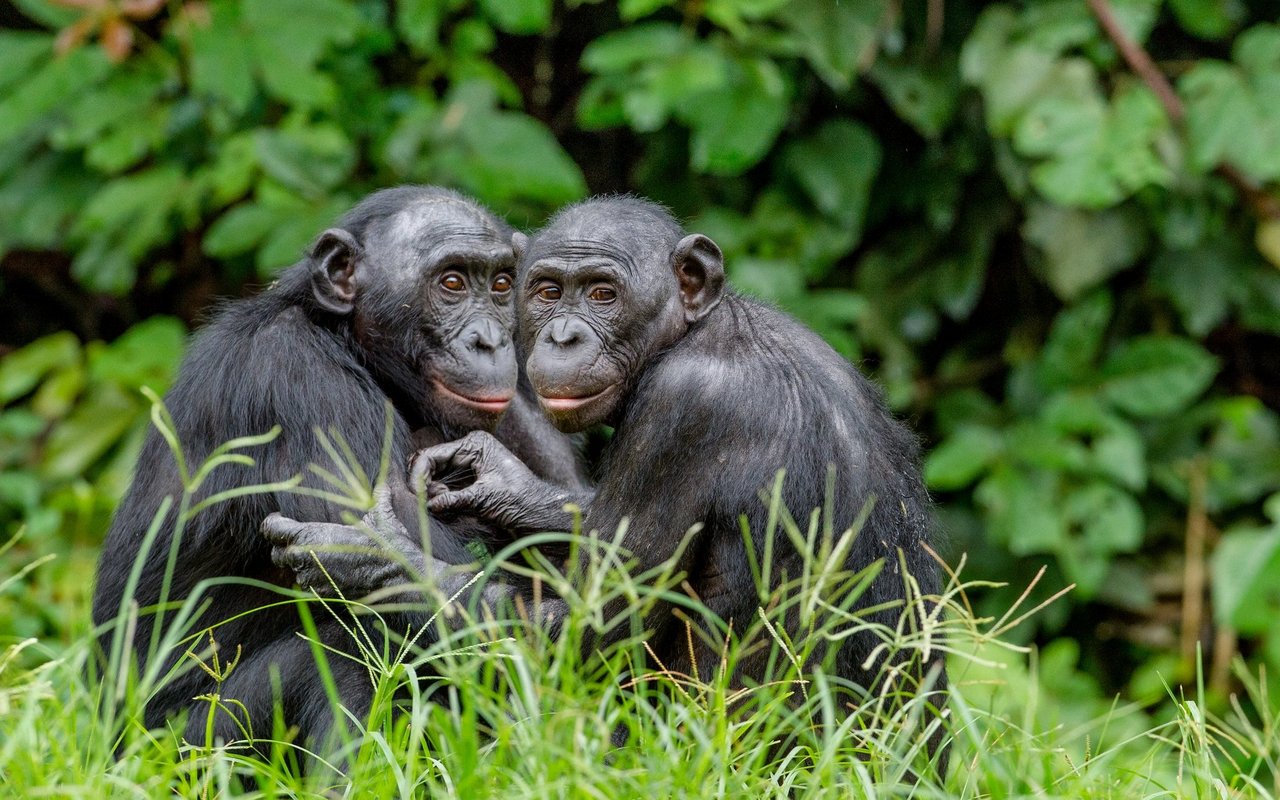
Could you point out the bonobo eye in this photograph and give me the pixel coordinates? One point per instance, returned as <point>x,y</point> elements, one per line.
<point>548,292</point>
<point>501,284</point>
<point>453,281</point>
<point>603,294</point>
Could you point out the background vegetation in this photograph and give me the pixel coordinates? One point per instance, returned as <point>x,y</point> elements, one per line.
<point>1050,229</point>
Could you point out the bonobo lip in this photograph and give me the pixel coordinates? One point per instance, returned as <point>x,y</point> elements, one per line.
<point>552,403</point>
<point>495,404</point>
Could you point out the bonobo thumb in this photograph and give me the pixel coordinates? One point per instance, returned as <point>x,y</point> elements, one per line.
<point>452,501</point>
<point>279,529</point>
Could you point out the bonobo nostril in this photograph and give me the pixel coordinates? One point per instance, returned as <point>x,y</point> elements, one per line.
<point>562,333</point>
<point>487,336</point>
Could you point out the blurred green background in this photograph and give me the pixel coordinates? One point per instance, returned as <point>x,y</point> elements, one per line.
<point>1058,255</point>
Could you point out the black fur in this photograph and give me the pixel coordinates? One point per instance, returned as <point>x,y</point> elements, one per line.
<point>286,357</point>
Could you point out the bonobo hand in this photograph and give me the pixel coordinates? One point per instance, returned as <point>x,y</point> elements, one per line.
<point>504,491</point>
<point>357,559</point>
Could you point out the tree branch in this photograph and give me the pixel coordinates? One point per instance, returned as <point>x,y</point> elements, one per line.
<point>1263,204</point>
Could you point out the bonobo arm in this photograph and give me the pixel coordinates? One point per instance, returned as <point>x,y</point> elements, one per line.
<point>377,553</point>
<point>647,481</point>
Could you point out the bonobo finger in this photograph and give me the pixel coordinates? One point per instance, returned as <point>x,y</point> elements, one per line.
<point>280,530</point>
<point>461,500</point>
<point>431,461</point>
<point>290,558</point>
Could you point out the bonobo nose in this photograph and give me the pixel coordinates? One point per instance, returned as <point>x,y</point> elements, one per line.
<point>487,336</point>
<point>564,333</point>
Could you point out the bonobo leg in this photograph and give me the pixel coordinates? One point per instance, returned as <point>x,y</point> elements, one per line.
<point>295,686</point>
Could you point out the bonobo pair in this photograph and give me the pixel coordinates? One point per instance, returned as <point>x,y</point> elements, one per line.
<point>623,319</point>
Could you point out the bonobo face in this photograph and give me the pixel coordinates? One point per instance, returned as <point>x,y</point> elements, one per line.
<point>603,288</point>
<point>434,309</point>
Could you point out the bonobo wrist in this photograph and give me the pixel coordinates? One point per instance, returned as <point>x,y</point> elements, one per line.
<point>544,509</point>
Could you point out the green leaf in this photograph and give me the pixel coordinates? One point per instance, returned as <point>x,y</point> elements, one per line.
<point>23,369</point>
<point>1108,518</point>
<point>926,97</point>
<point>1233,112</point>
<point>53,86</point>
<point>145,355</point>
<point>288,240</point>
<point>1020,505</point>
<point>1074,341</point>
<point>962,457</point>
<point>290,36</point>
<point>619,51</point>
<point>838,39</point>
<point>94,427</point>
<point>1120,454</point>
<point>311,160</point>
<point>1208,19</point>
<point>518,16</point>
<point>123,221</point>
<point>1079,249</point>
<point>1245,567</point>
<point>1202,282</point>
<point>734,126</point>
<point>836,167</point>
<point>221,63</point>
<point>418,23</point>
<point>240,230</point>
<point>20,51</point>
<point>1156,375</point>
<point>511,156</point>
<point>772,279</point>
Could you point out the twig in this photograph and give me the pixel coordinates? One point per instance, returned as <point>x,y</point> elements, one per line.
<point>1193,575</point>
<point>1139,60</point>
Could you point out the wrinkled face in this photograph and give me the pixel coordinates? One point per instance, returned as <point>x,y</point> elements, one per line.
<point>596,303</point>
<point>451,270</point>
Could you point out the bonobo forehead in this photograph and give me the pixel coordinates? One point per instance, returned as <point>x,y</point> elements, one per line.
<point>419,228</point>
<point>632,232</point>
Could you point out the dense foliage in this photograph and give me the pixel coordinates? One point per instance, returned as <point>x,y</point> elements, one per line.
<point>1050,229</point>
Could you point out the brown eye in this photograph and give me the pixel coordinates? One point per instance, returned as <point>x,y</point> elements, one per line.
<point>453,282</point>
<point>501,284</point>
<point>603,294</point>
<point>550,293</point>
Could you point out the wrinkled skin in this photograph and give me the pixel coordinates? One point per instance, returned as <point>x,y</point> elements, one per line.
<point>407,303</point>
<point>625,320</point>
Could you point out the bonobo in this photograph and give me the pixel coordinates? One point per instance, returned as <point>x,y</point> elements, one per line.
<point>408,300</point>
<point>625,320</point>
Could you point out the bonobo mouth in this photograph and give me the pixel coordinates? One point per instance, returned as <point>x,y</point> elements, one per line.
<point>493,404</point>
<point>563,403</point>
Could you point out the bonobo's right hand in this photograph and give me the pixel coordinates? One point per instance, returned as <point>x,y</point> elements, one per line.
<point>333,558</point>
<point>504,491</point>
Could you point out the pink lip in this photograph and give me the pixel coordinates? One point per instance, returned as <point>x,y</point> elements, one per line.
<point>492,405</point>
<point>569,403</point>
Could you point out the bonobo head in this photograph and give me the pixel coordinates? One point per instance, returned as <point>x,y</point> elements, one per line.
<point>604,287</point>
<point>426,277</point>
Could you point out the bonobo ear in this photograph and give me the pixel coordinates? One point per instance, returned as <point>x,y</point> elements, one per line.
<point>520,244</point>
<point>333,266</point>
<point>699,266</point>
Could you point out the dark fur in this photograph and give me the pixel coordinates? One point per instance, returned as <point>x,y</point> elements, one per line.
<point>280,358</point>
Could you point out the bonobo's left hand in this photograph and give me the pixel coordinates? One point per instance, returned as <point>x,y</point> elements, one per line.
<point>357,559</point>
<point>505,492</point>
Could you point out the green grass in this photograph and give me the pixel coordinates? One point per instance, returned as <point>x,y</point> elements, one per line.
<point>520,715</point>
<point>515,713</point>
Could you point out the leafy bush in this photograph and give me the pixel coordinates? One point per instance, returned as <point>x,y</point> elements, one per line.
<point>1049,227</point>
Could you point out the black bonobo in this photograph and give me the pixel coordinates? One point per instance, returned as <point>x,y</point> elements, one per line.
<point>625,320</point>
<point>409,299</point>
